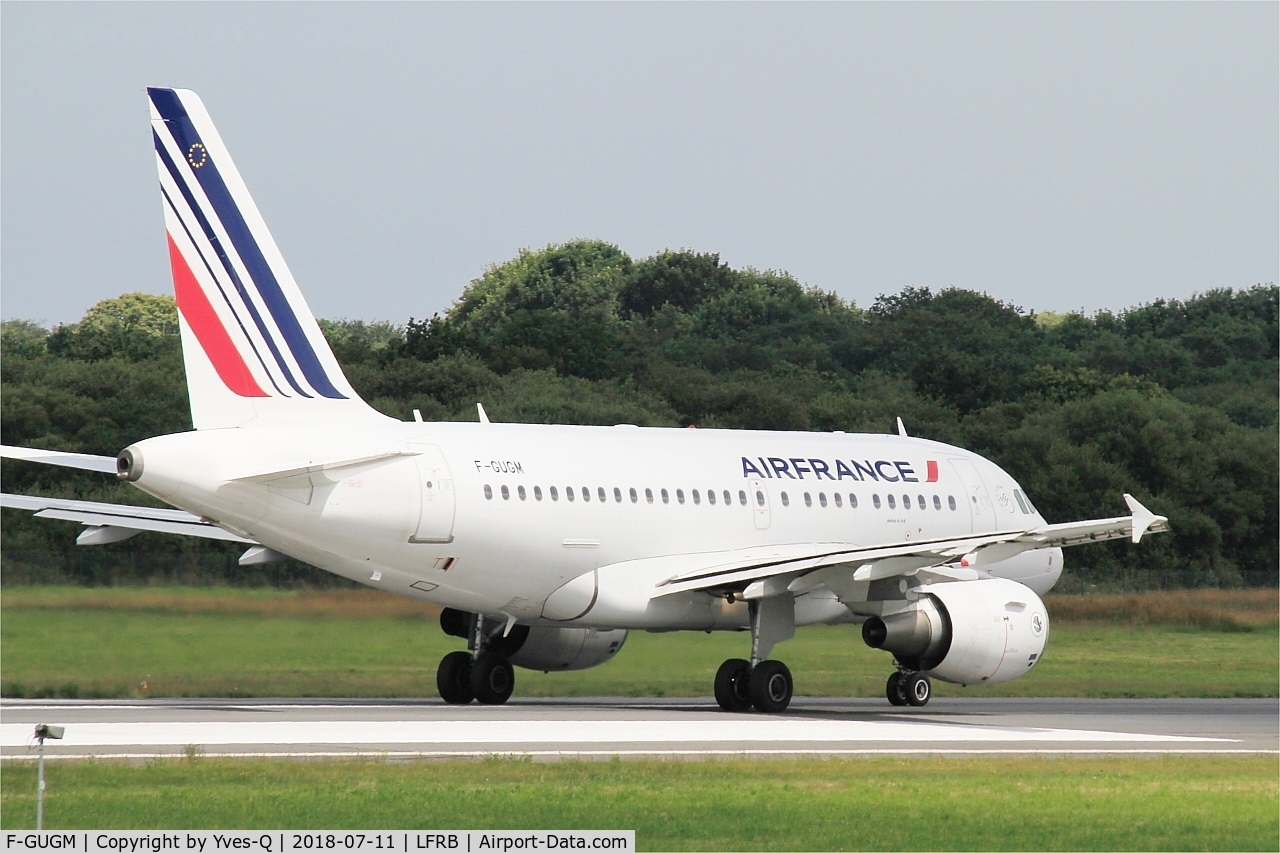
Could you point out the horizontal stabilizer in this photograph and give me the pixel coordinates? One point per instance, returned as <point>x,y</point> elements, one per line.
<point>318,473</point>
<point>83,461</point>
<point>119,517</point>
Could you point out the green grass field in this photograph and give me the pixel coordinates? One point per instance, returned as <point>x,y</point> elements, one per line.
<point>1175,803</point>
<point>124,642</point>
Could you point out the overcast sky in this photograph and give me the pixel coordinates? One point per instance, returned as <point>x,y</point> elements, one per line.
<point>1060,156</point>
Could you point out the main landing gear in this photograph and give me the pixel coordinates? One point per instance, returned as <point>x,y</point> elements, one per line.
<point>483,674</point>
<point>908,688</point>
<point>765,685</point>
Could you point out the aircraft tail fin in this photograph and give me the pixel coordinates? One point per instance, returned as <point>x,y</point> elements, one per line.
<point>254,353</point>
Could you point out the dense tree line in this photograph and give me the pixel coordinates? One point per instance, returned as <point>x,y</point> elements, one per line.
<point>1174,401</point>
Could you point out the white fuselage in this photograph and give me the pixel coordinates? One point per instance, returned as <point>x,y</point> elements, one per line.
<point>502,518</point>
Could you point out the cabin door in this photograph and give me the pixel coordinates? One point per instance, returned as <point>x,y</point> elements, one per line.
<point>435,514</point>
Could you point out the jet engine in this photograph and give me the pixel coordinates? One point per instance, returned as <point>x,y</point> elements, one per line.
<point>965,632</point>
<point>561,649</point>
<point>541,647</point>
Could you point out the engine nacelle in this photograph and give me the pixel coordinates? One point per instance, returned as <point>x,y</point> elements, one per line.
<point>966,632</point>
<point>560,649</point>
<point>540,647</point>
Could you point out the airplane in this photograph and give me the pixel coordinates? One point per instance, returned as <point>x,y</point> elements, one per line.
<point>546,544</point>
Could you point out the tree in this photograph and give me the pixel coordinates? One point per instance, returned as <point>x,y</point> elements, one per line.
<point>135,326</point>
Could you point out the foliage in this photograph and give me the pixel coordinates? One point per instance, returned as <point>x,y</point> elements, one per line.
<point>1174,401</point>
<point>135,326</point>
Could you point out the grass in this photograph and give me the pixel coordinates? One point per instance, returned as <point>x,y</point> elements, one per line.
<point>1166,803</point>
<point>121,642</point>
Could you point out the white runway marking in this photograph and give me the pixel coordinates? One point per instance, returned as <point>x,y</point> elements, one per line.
<point>543,732</point>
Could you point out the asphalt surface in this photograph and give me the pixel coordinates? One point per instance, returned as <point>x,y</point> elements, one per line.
<point>606,727</point>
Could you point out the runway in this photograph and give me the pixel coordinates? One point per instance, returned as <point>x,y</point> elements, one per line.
<point>607,728</point>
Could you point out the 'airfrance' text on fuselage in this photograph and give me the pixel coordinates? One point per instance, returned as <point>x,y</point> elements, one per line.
<point>793,468</point>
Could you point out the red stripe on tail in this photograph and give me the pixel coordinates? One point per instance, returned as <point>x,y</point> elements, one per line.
<point>931,471</point>
<point>203,320</point>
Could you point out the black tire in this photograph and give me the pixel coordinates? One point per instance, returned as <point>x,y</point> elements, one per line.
<point>453,678</point>
<point>771,686</point>
<point>895,690</point>
<point>918,690</point>
<point>733,685</point>
<point>492,678</point>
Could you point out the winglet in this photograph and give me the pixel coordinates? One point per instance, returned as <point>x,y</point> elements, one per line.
<point>902,430</point>
<point>484,416</point>
<point>1143,518</point>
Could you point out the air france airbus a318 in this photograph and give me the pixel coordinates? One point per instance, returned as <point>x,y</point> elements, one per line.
<point>545,545</point>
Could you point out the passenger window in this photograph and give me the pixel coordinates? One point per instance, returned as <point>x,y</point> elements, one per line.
<point>951,502</point>
<point>711,496</point>
<point>920,502</point>
<point>759,498</point>
<point>600,493</point>
<point>937,502</point>
<point>808,499</point>
<point>488,492</point>
<point>875,501</point>
<point>568,493</point>
<point>839,500</point>
<point>786,500</point>
<point>555,494</point>
<point>680,496</point>
<point>853,501</point>
<point>506,493</point>
<point>666,499</point>
<point>648,496</point>
<point>822,499</point>
<point>697,498</point>
<point>742,497</point>
<point>521,492</point>
<point>906,501</point>
<point>728,498</point>
<point>537,493</point>
<point>617,495</point>
<point>586,495</point>
<point>636,498</point>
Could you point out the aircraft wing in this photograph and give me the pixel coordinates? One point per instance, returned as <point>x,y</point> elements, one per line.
<point>106,522</point>
<point>767,572</point>
<point>83,461</point>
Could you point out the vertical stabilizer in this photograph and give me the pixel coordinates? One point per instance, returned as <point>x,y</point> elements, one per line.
<point>253,351</point>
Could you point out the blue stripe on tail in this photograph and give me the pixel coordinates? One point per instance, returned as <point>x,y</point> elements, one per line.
<point>175,115</point>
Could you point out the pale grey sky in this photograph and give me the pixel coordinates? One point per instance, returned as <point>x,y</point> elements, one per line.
<point>1059,156</point>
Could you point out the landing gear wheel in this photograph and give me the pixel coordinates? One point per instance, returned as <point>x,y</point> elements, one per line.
<point>492,678</point>
<point>918,689</point>
<point>453,678</point>
<point>771,686</point>
<point>733,685</point>
<point>895,690</point>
